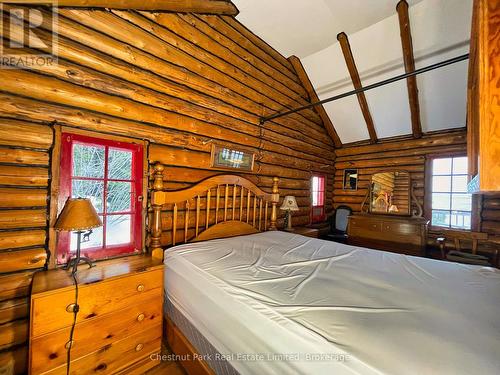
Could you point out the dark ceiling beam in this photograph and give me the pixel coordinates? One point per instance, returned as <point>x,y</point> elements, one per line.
<point>409,61</point>
<point>313,97</point>
<point>223,7</point>
<point>356,81</point>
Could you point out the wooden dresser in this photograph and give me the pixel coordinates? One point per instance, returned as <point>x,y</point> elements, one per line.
<point>119,323</point>
<point>399,234</point>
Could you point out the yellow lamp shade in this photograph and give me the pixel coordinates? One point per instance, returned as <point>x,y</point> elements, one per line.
<point>289,204</point>
<point>78,214</point>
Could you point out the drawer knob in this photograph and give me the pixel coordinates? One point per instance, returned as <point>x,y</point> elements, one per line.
<point>69,344</point>
<point>71,307</point>
<point>139,347</point>
<point>140,288</point>
<point>140,317</point>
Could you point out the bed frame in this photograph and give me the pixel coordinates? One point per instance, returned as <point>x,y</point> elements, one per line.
<point>240,208</point>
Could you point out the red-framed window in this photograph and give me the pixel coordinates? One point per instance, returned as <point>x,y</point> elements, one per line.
<point>110,174</point>
<point>318,183</point>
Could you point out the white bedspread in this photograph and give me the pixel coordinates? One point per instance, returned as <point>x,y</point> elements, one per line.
<point>328,308</point>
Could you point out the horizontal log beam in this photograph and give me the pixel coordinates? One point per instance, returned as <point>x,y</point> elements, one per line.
<point>223,7</point>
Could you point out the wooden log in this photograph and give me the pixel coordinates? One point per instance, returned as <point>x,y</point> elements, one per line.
<point>20,156</point>
<point>14,361</point>
<point>387,162</point>
<point>411,82</point>
<point>14,198</point>
<point>445,139</point>
<point>221,7</point>
<point>13,333</point>
<point>212,69</point>
<point>204,40</point>
<point>327,123</point>
<point>41,111</point>
<point>25,238</point>
<point>356,82</point>
<point>23,176</point>
<point>13,261</point>
<point>14,309</point>
<point>224,39</point>
<point>15,285</point>
<point>21,83</point>
<point>24,134</point>
<point>14,219</point>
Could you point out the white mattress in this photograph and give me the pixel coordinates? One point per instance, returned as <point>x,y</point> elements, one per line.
<point>328,308</point>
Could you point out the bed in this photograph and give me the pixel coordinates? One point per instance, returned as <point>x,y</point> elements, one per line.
<point>270,302</point>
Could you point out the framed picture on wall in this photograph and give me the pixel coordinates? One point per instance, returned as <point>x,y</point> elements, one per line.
<point>350,179</point>
<point>228,157</point>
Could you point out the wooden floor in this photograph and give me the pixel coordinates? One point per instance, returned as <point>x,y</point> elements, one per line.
<point>167,368</point>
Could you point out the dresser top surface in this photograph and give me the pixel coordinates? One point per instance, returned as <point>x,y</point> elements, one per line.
<point>46,281</point>
<point>401,218</point>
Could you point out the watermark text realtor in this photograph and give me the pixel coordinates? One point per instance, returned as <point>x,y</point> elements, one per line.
<point>28,38</point>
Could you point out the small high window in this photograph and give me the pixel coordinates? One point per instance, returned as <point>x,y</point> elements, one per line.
<point>451,204</point>
<point>110,174</point>
<point>318,198</point>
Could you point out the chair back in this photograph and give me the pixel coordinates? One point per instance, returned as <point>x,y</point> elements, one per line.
<point>458,236</point>
<point>339,222</point>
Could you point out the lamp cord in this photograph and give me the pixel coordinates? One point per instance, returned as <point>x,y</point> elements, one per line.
<point>72,331</point>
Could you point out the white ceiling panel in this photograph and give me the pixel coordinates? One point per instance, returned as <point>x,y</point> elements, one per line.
<point>298,27</point>
<point>347,119</point>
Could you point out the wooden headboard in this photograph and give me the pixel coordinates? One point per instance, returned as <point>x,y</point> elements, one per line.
<point>231,206</point>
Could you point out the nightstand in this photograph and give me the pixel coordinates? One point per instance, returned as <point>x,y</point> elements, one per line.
<point>305,231</point>
<point>119,323</point>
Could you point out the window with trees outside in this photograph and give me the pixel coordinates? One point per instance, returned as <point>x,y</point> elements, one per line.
<point>318,198</point>
<point>451,204</point>
<point>109,173</point>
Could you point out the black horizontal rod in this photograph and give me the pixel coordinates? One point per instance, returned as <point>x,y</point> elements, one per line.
<point>369,87</point>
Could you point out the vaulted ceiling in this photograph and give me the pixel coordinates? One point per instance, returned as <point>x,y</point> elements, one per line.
<point>440,29</point>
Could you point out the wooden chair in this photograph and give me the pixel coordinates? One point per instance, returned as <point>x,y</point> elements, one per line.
<point>463,255</point>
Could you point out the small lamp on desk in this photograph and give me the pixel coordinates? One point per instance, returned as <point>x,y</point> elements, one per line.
<point>78,215</point>
<point>289,205</point>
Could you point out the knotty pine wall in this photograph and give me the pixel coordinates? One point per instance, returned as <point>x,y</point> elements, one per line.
<point>178,81</point>
<point>409,155</point>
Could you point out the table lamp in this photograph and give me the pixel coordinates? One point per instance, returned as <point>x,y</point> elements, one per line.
<point>289,205</point>
<point>78,215</point>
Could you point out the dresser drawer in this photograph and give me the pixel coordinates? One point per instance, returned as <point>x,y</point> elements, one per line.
<point>116,356</point>
<point>49,351</point>
<point>49,312</point>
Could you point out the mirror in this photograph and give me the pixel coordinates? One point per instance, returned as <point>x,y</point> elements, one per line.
<point>350,179</point>
<point>390,193</point>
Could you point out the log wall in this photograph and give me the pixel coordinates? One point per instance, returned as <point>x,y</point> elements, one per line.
<point>177,81</point>
<point>409,155</point>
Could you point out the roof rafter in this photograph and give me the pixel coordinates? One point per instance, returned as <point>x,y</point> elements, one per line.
<point>356,81</point>
<point>224,7</point>
<point>409,61</point>
<point>313,97</point>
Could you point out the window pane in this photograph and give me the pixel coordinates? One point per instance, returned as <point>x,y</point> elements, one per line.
<point>441,218</point>
<point>120,164</point>
<point>441,184</point>
<point>441,201</point>
<point>315,198</point>
<point>95,240</point>
<point>315,183</point>
<point>89,189</point>
<point>460,165</point>
<point>460,220</point>
<point>461,202</point>
<point>441,166</point>
<point>88,161</point>
<point>119,197</point>
<point>460,184</point>
<point>118,229</point>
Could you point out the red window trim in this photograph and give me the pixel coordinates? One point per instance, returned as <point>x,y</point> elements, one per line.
<point>322,216</point>
<point>135,245</point>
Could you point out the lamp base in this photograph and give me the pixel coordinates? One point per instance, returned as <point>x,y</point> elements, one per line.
<point>75,261</point>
